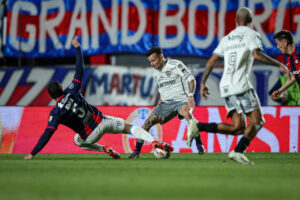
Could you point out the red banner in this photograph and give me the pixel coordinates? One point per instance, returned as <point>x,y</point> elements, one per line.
<point>21,128</point>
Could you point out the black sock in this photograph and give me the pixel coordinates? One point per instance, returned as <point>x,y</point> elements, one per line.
<point>198,140</point>
<point>138,146</point>
<point>209,127</point>
<point>242,145</point>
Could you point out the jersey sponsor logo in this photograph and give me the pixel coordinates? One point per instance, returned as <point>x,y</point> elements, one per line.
<point>168,73</point>
<point>71,86</point>
<point>167,83</point>
<point>236,37</point>
<point>225,89</point>
<point>235,46</point>
<point>137,118</point>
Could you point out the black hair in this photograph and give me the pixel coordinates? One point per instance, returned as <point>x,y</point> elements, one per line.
<point>55,89</point>
<point>287,35</point>
<point>156,50</point>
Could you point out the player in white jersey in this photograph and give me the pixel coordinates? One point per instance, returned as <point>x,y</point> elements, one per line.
<point>176,86</point>
<point>239,49</point>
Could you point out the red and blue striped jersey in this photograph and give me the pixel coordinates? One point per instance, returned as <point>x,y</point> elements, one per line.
<point>293,63</point>
<point>71,110</point>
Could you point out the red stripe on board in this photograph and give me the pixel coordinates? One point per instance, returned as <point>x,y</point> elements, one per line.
<point>18,94</point>
<point>42,99</point>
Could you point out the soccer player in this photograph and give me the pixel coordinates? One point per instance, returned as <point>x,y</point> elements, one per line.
<point>285,43</point>
<point>87,121</point>
<point>176,86</point>
<point>239,49</point>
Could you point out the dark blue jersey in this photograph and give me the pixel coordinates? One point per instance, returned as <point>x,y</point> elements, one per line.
<point>72,110</point>
<point>293,63</point>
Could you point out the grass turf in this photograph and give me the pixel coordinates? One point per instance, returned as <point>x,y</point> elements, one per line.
<point>183,176</point>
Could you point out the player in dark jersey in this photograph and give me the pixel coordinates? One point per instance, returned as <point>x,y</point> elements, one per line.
<point>88,122</point>
<point>285,43</point>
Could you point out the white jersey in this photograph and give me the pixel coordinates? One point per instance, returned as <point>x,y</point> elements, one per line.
<point>236,48</point>
<point>172,81</point>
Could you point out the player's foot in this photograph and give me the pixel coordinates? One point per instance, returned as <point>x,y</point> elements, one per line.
<point>192,131</point>
<point>239,157</point>
<point>135,154</point>
<point>112,153</point>
<point>201,149</point>
<point>162,145</point>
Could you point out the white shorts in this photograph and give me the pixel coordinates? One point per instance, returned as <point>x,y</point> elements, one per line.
<point>108,124</point>
<point>242,103</point>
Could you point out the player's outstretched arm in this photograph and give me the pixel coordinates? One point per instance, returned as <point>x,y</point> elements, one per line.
<point>41,143</point>
<point>262,57</point>
<point>79,60</point>
<point>208,68</point>
<point>28,157</point>
<point>75,42</point>
<point>290,80</point>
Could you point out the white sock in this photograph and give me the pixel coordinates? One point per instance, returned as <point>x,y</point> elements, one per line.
<point>140,133</point>
<point>93,147</point>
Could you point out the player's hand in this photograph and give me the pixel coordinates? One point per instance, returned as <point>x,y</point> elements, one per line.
<point>191,102</point>
<point>275,95</point>
<point>75,42</point>
<point>204,91</point>
<point>28,157</point>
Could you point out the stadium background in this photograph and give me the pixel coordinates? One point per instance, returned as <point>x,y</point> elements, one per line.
<point>115,35</point>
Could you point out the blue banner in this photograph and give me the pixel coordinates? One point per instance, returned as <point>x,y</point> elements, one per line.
<point>181,27</point>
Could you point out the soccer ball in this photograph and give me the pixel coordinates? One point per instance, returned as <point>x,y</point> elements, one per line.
<point>159,153</point>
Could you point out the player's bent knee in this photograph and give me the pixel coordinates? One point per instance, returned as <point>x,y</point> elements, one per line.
<point>238,130</point>
<point>78,140</point>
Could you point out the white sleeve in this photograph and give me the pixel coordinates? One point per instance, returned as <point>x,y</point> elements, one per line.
<point>255,42</point>
<point>219,51</point>
<point>187,77</point>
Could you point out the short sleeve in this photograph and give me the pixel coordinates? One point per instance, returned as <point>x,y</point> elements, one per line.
<point>255,42</point>
<point>219,51</point>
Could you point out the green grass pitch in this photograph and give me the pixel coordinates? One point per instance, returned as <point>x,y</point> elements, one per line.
<point>275,176</point>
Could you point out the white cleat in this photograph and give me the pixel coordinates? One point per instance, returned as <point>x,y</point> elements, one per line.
<point>239,157</point>
<point>192,131</point>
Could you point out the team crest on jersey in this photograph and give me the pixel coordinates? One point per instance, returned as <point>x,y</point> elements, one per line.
<point>296,61</point>
<point>71,86</point>
<point>50,118</point>
<point>180,66</point>
<point>168,73</point>
<point>137,118</point>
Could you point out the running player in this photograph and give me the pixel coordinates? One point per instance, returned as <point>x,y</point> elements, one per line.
<point>87,121</point>
<point>285,43</point>
<point>239,49</point>
<point>176,86</point>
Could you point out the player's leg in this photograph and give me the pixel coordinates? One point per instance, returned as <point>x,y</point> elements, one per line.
<point>193,132</point>
<point>150,121</point>
<point>235,112</point>
<point>256,121</point>
<point>108,125</point>
<point>95,147</point>
<point>251,107</point>
<point>237,127</point>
